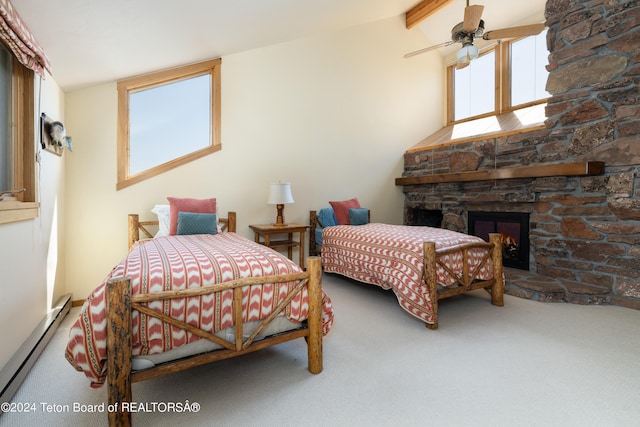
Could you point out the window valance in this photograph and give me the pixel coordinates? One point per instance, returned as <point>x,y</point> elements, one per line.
<point>19,39</point>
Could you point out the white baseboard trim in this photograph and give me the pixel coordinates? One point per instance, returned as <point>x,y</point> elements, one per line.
<point>14,372</point>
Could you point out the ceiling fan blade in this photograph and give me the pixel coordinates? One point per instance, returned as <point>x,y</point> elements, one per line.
<point>472,15</point>
<point>513,32</point>
<point>427,49</point>
<point>461,65</point>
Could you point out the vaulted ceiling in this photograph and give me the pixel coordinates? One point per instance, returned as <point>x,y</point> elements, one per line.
<point>90,42</point>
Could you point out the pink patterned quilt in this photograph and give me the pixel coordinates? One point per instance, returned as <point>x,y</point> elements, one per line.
<point>391,256</point>
<point>179,262</point>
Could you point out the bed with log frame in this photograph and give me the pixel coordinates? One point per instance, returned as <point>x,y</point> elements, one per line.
<point>297,295</point>
<point>421,265</point>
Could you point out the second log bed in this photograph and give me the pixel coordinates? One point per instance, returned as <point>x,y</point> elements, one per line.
<point>128,315</point>
<point>420,264</point>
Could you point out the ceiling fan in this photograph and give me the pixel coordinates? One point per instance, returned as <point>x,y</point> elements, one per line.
<point>473,27</point>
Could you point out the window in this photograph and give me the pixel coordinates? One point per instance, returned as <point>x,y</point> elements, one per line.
<point>503,78</point>
<point>475,87</point>
<point>529,58</point>
<point>17,139</point>
<point>6,158</point>
<point>167,119</point>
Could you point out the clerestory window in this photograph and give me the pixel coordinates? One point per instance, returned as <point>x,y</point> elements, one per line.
<point>167,119</point>
<point>505,77</point>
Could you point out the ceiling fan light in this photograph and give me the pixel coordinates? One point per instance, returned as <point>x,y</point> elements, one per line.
<point>467,53</point>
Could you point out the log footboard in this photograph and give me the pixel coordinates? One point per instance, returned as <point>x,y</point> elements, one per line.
<point>120,303</point>
<point>468,280</point>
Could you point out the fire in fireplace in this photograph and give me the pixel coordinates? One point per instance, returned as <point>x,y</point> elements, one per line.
<point>514,228</point>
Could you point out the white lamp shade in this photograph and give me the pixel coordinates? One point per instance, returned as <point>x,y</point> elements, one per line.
<point>280,194</point>
<point>467,53</point>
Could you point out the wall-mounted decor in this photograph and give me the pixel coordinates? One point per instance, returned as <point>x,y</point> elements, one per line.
<point>53,136</point>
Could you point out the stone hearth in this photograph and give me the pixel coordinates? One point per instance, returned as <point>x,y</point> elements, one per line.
<point>527,285</point>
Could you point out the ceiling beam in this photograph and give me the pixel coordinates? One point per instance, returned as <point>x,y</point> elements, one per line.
<point>423,10</point>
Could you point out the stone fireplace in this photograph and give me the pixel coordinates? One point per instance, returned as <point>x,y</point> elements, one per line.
<point>584,229</point>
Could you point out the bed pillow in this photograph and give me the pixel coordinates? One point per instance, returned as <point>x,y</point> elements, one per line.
<point>358,216</point>
<point>196,223</point>
<point>327,217</point>
<point>162,212</point>
<point>177,205</point>
<point>341,209</point>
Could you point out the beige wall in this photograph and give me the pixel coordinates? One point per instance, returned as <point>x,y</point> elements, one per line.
<point>31,252</point>
<point>332,114</point>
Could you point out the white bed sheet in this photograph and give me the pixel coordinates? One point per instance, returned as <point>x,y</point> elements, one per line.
<point>278,325</point>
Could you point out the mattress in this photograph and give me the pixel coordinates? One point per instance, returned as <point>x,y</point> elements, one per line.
<point>278,325</point>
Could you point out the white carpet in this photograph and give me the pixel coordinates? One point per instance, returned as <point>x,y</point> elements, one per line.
<point>524,364</point>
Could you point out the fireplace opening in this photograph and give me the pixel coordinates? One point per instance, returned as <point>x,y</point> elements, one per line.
<point>424,217</point>
<point>514,228</point>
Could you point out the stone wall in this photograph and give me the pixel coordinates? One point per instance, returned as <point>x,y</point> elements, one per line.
<point>585,229</point>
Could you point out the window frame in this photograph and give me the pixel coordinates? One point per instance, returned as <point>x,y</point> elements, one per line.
<point>24,152</point>
<point>148,81</point>
<point>502,79</point>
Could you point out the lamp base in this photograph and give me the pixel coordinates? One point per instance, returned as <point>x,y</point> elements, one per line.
<point>280,216</point>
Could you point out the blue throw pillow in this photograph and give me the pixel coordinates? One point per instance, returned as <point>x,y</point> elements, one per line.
<point>327,217</point>
<point>196,223</point>
<point>358,216</point>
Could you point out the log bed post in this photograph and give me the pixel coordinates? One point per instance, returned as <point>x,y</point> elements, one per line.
<point>134,231</point>
<point>119,349</point>
<point>314,319</point>
<point>497,290</point>
<point>231,222</point>
<point>313,223</point>
<point>430,278</point>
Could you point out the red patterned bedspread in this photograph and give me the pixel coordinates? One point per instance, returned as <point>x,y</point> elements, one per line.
<point>391,256</point>
<point>179,262</point>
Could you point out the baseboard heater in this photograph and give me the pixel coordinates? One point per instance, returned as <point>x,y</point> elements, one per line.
<point>17,368</point>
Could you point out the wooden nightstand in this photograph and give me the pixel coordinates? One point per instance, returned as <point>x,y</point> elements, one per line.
<point>263,232</point>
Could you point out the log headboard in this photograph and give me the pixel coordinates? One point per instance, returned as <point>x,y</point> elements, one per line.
<point>136,226</point>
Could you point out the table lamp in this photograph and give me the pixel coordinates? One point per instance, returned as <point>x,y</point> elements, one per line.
<point>279,195</point>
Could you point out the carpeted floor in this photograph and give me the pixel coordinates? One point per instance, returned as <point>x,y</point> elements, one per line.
<point>524,364</point>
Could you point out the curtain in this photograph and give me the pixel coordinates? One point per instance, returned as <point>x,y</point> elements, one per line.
<point>19,39</point>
